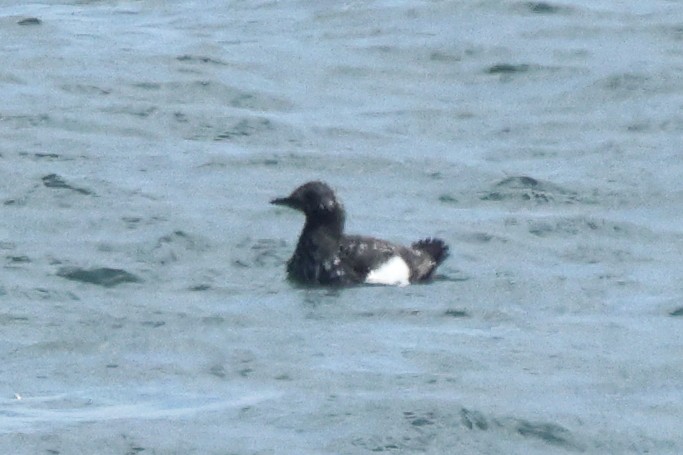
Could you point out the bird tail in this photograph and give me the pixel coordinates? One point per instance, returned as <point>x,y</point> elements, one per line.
<point>436,248</point>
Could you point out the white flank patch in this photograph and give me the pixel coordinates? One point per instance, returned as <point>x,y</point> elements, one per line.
<point>393,272</point>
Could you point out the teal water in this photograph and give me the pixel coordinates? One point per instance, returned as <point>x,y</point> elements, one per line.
<point>143,300</point>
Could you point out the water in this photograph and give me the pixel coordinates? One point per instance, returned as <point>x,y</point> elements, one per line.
<point>143,303</point>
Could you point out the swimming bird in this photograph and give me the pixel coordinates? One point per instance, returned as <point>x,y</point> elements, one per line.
<point>325,255</point>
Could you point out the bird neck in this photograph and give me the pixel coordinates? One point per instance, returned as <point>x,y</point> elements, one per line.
<point>328,223</point>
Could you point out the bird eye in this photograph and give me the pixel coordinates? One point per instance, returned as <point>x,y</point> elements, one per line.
<point>327,204</point>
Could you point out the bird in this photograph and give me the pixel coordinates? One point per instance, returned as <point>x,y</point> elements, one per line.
<point>326,256</point>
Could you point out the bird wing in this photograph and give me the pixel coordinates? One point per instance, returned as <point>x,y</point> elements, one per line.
<point>366,253</point>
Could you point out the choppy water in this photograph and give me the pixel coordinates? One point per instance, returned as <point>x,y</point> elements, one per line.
<point>143,305</point>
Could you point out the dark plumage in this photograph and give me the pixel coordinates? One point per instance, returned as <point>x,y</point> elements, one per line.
<point>324,255</point>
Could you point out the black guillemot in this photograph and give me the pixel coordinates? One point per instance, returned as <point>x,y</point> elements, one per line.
<point>325,255</point>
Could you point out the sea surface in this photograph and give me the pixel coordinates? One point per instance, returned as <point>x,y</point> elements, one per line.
<point>144,307</point>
